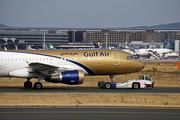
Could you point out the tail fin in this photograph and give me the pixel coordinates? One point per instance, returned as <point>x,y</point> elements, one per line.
<point>96,45</point>
<point>50,46</point>
<point>169,43</point>
<point>5,48</point>
<point>28,47</point>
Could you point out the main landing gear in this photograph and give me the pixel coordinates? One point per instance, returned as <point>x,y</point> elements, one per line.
<point>38,85</point>
<point>28,84</point>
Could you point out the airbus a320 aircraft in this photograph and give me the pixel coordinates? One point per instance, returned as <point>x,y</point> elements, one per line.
<point>157,53</point>
<point>65,66</point>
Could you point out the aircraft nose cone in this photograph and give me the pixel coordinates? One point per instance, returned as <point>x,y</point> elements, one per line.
<point>139,65</point>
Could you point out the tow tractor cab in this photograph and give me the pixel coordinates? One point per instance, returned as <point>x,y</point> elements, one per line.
<point>147,80</point>
<point>142,82</point>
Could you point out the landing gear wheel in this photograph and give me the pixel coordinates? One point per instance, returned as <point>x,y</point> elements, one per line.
<point>108,85</point>
<point>27,84</point>
<point>135,85</point>
<point>38,86</point>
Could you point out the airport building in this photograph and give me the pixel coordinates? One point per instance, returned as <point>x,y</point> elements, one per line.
<point>21,37</point>
<point>121,36</point>
<point>35,38</point>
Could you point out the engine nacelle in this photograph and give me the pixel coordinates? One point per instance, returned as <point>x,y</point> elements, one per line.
<point>72,77</point>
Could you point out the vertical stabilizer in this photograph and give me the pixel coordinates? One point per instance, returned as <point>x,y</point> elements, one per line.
<point>50,46</point>
<point>169,43</point>
<point>96,45</point>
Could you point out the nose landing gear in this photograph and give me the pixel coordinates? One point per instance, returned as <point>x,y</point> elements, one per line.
<point>112,78</point>
<point>107,85</point>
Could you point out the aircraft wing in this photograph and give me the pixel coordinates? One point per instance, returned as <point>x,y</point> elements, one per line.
<point>43,68</point>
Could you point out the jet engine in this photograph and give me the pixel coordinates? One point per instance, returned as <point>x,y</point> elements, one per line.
<point>72,77</point>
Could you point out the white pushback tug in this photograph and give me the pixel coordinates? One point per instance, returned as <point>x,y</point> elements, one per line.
<point>142,82</point>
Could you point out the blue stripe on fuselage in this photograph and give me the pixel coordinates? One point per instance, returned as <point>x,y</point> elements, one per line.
<point>89,71</point>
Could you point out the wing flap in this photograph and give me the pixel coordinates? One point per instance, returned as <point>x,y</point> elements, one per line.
<point>41,66</point>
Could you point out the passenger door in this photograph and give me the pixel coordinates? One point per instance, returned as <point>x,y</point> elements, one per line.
<point>116,59</point>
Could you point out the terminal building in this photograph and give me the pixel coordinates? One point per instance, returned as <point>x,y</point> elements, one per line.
<point>122,36</point>
<point>34,38</point>
<point>20,38</point>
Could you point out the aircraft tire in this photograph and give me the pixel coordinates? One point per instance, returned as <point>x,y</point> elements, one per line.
<point>136,85</point>
<point>108,85</point>
<point>27,84</point>
<point>38,86</point>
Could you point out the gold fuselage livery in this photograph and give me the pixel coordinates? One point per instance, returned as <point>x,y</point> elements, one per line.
<point>65,66</point>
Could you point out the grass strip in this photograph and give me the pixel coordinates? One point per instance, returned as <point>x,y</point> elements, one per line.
<point>90,99</point>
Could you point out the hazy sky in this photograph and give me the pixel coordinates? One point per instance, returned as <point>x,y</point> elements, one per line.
<point>88,13</point>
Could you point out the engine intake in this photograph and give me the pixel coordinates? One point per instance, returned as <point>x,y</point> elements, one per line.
<point>67,77</point>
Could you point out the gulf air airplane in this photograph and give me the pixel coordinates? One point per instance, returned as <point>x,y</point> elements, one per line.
<point>65,66</point>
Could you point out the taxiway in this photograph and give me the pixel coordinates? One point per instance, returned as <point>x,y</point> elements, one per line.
<point>89,89</point>
<point>88,113</point>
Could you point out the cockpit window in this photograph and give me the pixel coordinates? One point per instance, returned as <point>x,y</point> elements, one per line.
<point>130,57</point>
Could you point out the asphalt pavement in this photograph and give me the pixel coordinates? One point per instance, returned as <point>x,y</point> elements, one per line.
<point>89,89</point>
<point>88,113</point>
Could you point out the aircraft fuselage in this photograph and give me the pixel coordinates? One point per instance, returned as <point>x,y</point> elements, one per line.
<point>91,62</point>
